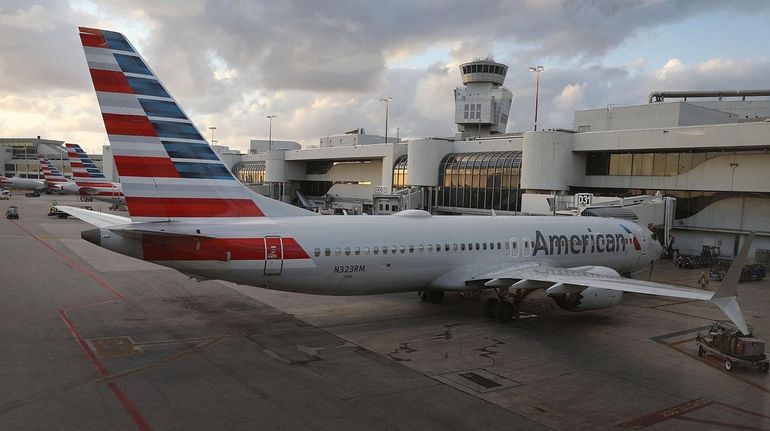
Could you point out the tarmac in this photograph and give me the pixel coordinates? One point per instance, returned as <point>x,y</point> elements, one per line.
<point>96,340</point>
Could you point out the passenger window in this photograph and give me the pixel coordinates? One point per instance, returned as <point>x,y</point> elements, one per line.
<point>485,246</point>
<point>358,251</point>
<point>499,246</point>
<point>393,249</point>
<point>375,250</point>
<point>430,248</point>
<point>477,246</point>
<point>337,251</point>
<point>402,249</point>
<point>366,251</point>
<point>317,252</point>
<point>462,246</point>
<point>420,248</point>
<point>491,246</point>
<point>455,247</point>
<point>347,251</point>
<point>411,249</point>
<point>328,251</point>
<point>385,249</point>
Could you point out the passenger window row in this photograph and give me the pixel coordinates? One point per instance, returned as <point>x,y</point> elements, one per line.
<point>420,248</point>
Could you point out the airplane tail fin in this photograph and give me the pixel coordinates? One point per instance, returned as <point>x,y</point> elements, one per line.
<point>53,178</point>
<point>726,297</point>
<point>83,168</point>
<point>167,169</point>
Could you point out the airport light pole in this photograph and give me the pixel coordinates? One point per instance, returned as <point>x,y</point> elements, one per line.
<point>387,103</point>
<point>212,128</point>
<point>270,132</point>
<point>537,70</point>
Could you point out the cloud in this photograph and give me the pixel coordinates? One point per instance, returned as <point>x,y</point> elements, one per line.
<point>322,67</point>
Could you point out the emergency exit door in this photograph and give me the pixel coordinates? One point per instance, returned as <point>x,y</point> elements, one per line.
<point>273,255</point>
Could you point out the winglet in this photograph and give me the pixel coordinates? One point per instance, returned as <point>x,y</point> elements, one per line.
<point>726,297</point>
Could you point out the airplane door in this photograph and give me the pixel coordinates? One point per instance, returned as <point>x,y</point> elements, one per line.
<point>273,255</point>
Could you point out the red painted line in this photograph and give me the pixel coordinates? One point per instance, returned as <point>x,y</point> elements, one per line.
<point>136,416</point>
<point>69,262</point>
<point>100,368</point>
<point>139,420</point>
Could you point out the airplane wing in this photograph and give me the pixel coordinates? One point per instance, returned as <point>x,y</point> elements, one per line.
<point>557,281</point>
<point>565,280</point>
<point>95,218</point>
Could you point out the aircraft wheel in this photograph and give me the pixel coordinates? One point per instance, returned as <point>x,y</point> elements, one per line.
<point>436,296</point>
<point>701,352</point>
<point>728,365</point>
<point>423,294</point>
<point>489,307</point>
<point>504,311</point>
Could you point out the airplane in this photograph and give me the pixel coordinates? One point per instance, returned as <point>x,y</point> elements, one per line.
<point>188,212</point>
<point>54,179</point>
<point>17,183</point>
<point>88,180</point>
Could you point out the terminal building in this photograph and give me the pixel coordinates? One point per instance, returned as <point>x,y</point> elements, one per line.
<point>701,159</point>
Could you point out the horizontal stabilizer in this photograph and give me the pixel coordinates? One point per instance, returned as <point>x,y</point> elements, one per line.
<point>136,230</point>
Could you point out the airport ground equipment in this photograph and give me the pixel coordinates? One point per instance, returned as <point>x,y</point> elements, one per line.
<point>54,211</point>
<point>32,194</point>
<point>5,195</point>
<point>725,341</point>
<point>12,213</point>
<point>750,272</point>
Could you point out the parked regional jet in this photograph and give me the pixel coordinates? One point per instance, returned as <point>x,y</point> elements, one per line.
<point>17,183</point>
<point>88,180</point>
<point>188,212</point>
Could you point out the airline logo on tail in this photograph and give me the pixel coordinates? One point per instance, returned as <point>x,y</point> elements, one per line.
<point>53,178</point>
<point>166,167</point>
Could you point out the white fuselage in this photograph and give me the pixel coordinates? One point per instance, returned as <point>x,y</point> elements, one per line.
<point>105,192</point>
<point>22,183</point>
<point>339,255</point>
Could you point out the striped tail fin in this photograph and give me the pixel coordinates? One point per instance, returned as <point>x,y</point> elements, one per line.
<point>167,170</point>
<point>53,178</point>
<point>83,168</point>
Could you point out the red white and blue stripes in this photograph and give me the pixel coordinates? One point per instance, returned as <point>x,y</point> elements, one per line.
<point>88,177</point>
<point>167,169</point>
<point>53,178</point>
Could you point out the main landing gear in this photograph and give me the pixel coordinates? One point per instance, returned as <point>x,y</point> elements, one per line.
<point>500,309</point>
<point>434,296</point>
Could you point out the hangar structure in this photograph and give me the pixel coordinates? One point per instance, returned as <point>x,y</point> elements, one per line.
<point>708,150</point>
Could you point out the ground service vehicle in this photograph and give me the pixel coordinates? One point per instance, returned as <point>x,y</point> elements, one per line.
<point>12,213</point>
<point>725,341</point>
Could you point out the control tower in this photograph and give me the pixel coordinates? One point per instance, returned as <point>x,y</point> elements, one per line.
<point>482,106</point>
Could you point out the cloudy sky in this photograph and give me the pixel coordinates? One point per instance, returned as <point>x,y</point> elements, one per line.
<point>322,66</point>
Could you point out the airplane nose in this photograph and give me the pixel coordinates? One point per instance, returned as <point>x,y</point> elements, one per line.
<point>94,236</point>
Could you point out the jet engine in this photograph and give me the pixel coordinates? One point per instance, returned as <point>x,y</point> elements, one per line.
<point>590,298</point>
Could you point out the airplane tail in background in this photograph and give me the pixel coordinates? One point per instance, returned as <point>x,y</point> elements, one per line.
<point>167,170</point>
<point>83,168</point>
<point>53,178</point>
